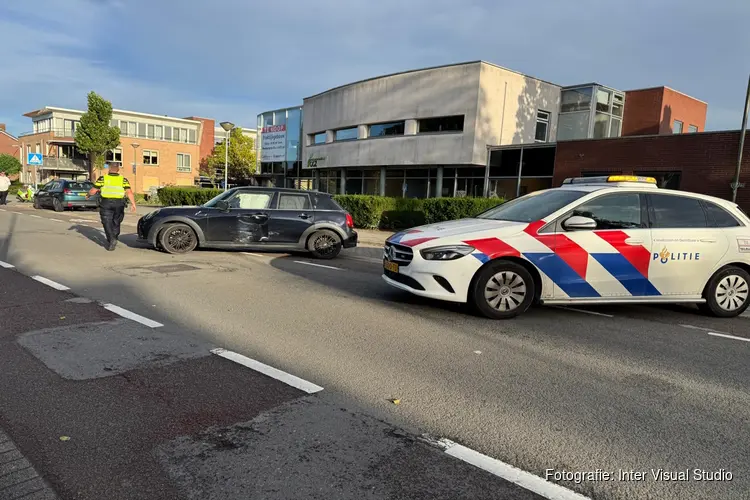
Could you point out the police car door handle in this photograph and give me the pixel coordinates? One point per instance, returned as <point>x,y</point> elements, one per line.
<point>633,241</point>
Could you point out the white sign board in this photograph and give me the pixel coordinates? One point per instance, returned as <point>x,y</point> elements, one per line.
<point>273,143</point>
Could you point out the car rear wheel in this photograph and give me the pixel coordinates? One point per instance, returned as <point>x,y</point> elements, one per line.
<point>727,293</point>
<point>324,244</point>
<point>503,290</point>
<point>37,205</point>
<point>57,205</point>
<point>177,239</point>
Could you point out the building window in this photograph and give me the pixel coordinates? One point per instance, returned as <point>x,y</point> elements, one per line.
<point>141,130</point>
<point>602,100</point>
<point>601,125</point>
<point>191,136</point>
<point>618,104</point>
<point>677,127</point>
<point>575,100</point>
<point>150,157</point>
<point>386,129</point>
<point>542,126</point>
<point>183,135</point>
<point>319,138</point>
<point>114,155</point>
<point>442,124</point>
<point>183,163</point>
<point>346,134</point>
<point>615,128</point>
<point>167,133</point>
<point>692,129</point>
<point>159,132</point>
<point>150,131</point>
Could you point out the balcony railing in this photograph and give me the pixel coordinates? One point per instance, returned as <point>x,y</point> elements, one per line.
<point>56,132</point>
<point>63,164</point>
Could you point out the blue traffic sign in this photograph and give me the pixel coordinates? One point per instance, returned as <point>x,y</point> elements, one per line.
<point>34,159</point>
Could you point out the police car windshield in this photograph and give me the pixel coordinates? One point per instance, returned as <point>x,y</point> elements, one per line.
<point>533,206</point>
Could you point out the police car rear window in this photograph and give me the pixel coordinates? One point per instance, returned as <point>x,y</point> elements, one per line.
<point>534,206</point>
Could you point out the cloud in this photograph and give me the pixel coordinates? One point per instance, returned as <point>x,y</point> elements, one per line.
<point>234,59</point>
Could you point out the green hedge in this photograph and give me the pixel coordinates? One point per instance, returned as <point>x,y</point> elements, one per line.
<point>178,196</point>
<point>368,212</point>
<point>399,213</point>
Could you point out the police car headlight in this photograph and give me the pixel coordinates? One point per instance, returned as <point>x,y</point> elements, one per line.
<point>449,252</point>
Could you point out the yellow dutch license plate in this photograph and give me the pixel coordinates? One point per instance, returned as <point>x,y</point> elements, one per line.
<point>390,266</point>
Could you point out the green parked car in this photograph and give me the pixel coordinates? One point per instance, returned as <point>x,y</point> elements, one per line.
<point>65,194</point>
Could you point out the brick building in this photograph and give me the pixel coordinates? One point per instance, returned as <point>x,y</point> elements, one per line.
<point>9,144</point>
<point>701,162</point>
<point>661,111</point>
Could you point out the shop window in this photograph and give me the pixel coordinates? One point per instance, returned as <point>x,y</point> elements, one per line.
<point>542,126</point>
<point>150,157</point>
<point>441,124</point>
<point>387,129</point>
<point>346,134</point>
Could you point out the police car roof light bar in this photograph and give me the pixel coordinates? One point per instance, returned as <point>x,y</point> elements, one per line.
<point>611,178</point>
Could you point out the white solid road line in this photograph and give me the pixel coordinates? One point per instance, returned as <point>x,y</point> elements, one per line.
<point>727,336</point>
<point>132,316</point>
<point>50,283</point>
<point>281,376</point>
<point>509,473</point>
<point>36,216</point>
<point>317,265</point>
<point>6,265</point>
<point>593,313</point>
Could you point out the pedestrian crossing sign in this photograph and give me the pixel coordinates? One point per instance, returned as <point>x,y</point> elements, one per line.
<point>34,159</point>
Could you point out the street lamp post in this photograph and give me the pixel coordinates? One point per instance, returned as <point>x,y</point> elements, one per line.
<point>135,164</point>
<point>227,126</point>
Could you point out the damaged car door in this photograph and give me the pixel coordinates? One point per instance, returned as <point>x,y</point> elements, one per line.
<point>241,220</point>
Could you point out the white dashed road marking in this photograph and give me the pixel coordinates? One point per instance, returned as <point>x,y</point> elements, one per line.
<point>509,473</point>
<point>726,336</point>
<point>281,376</point>
<point>132,316</point>
<point>3,210</point>
<point>594,313</point>
<point>18,213</point>
<point>57,220</point>
<point>317,265</point>
<point>254,254</point>
<point>36,216</point>
<point>50,283</point>
<point>6,265</point>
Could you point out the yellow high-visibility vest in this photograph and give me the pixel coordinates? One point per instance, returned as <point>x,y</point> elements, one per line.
<point>113,187</point>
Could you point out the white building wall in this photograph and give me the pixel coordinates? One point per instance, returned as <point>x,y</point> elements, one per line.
<point>445,91</point>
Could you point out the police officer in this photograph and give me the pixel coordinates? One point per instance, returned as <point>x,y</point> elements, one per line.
<point>113,187</point>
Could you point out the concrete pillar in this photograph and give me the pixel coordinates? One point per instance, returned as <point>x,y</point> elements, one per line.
<point>362,132</point>
<point>439,183</point>
<point>382,181</point>
<point>342,187</point>
<point>410,127</point>
<point>330,136</point>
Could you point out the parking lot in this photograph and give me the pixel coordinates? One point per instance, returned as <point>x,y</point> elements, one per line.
<point>575,389</point>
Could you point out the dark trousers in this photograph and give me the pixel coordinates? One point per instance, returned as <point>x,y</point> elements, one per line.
<point>3,197</point>
<point>112,212</point>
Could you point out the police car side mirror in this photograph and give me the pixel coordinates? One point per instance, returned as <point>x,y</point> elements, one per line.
<point>222,205</point>
<point>577,223</point>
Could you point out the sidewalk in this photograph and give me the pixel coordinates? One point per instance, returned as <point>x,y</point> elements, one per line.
<point>107,408</point>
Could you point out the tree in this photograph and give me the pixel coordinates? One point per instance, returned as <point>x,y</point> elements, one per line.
<point>94,135</point>
<point>242,157</point>
<point>9,164</point>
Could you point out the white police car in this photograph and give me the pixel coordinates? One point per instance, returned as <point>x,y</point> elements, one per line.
<point>599,240</point>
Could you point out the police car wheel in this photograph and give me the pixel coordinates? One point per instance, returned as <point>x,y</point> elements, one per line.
<point>178,239</point>
<point>727,293</point>
<point>503,290</point>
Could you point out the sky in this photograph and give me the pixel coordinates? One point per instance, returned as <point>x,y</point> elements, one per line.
<point>233,59</point>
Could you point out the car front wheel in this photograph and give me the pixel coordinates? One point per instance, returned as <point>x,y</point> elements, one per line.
<point>324,244</point>
<point>177,239</point>
<point>37,205</point>
<point>727,293</point>
<point>503,290</point>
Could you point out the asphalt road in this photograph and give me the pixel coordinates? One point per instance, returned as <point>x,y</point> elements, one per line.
<point>615,388</point>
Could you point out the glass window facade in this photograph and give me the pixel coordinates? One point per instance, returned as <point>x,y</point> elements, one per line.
<point>319,138</point>
<point>289,172</point>
<point>441,124</point>
<point>590,112</point>
<point>346,134</point>
<point>386,129</point>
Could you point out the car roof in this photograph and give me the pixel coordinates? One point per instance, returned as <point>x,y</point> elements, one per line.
<point>641,188</point>
<point>280,190</point>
